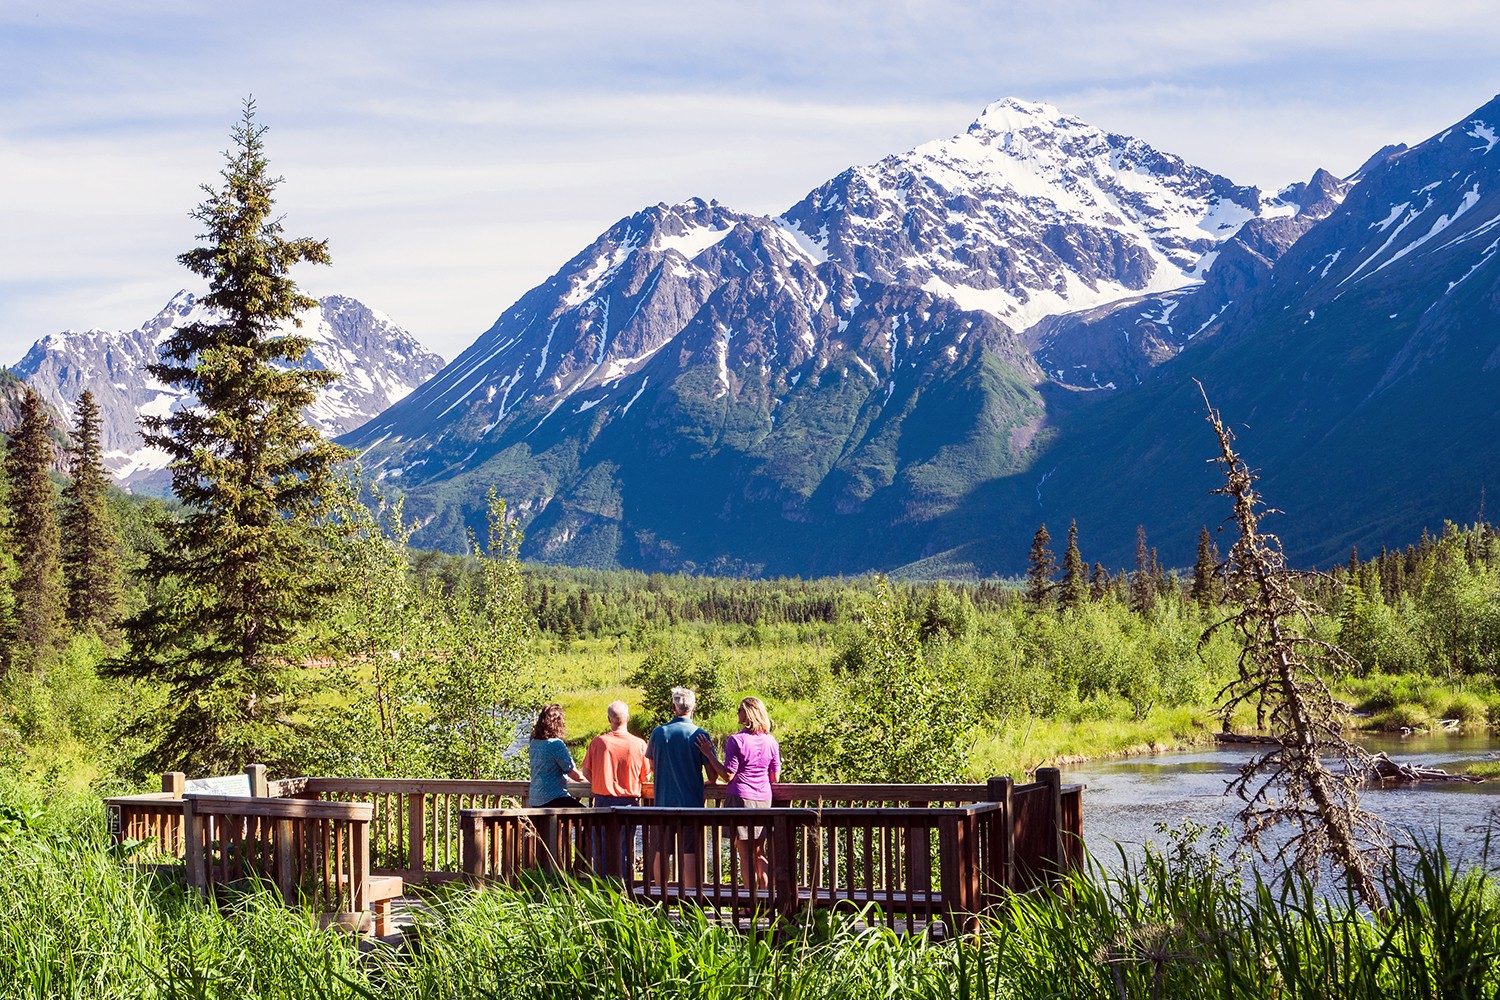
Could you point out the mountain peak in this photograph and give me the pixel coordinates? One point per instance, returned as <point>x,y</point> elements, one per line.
<point>1012,114</point>
<point>379,363</point>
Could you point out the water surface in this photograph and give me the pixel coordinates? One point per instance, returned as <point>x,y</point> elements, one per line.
<point>1126,798</point>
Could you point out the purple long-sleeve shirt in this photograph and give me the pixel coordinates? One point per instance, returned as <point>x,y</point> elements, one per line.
<point>751,757</point>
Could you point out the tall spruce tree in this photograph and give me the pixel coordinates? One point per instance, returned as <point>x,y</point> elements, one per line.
<point>1040,565</point>
<point>1204,570</point>
<point>248,571</point>
<point>33,508</point>
<point>1075,583</point>
<point>1143,582</point>
<point>90,546</point>
<point>8,569</point>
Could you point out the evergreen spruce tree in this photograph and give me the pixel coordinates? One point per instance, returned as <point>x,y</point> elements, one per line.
<point>1075,589</point>
<point>8,569</point>
<point>1040,566</point>
<point>1204,569</point>
<point>90,547</point>
<point>33,508</point>
<point>1098,583</point>
<point>248,569</point>
<point>1143,580</point>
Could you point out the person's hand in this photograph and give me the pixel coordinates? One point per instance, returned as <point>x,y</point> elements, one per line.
<point>705,746</point>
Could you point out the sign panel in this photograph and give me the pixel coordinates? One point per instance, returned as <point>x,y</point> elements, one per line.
<point>229,784</point>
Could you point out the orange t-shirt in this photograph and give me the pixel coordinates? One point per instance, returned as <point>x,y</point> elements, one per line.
<point>616,763</point>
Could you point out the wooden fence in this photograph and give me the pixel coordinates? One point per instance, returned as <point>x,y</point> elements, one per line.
<point>917,865</point>
<point>916,850</point>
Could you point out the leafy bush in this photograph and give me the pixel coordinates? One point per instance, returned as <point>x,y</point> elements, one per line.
<point>1407,715</point>
<point>670,663</point>
<point>1469,709</point>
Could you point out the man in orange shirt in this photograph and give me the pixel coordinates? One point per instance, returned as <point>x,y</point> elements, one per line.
<point>615,762</point>
<point>615,765</point>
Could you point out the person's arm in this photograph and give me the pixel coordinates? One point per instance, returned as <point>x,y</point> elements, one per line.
<point>716,771</point>
<point>586,767</point>
<point>774,771</point>
<point>566,765</point>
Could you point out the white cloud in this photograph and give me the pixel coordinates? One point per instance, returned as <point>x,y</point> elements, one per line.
<point>454,154</point>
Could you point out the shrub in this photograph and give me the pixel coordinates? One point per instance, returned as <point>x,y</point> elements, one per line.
<point>1469,709</point>
<point>1407,715</point>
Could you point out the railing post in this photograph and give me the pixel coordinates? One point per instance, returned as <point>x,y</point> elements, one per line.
<point>259,788</point>
<point>551,855</point>
<point>783,867</point>
<point>173,783</point>
<point>950,871</point>
<point>285,846</point>
<point>999,790</point>
<point>1051,778</point>
<point>360,877</point>
<point>416,834</point>
<point>193,848</point>
<point>472,828</point>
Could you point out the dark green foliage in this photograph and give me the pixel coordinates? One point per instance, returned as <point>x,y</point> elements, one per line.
<point>1204,570</point>
<point>895,714</point>
<point>946,613</point>
<point>90,549</point>
<point>33,511</point>
<point>1075,572</point>
<point>1040,565</point>
<point>252,476</point>
<point>669,663</point>
<point>1143,582</point>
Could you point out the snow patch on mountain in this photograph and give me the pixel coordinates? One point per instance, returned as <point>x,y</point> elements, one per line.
<point>378,363</point>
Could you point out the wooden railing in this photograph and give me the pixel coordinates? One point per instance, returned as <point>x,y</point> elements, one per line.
<point>917,850</point>
<point>414,831</point>
<point>316,854</point>
<point>917,865</point>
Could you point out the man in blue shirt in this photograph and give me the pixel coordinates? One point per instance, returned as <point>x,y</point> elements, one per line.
<point>678,766</point>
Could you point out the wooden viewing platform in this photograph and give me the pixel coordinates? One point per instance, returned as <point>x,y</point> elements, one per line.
<point>924,854</point>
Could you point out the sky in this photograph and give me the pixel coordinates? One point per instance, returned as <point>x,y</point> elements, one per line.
<point>455,154</point>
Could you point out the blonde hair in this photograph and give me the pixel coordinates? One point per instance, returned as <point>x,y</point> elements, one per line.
<point>754,715</point>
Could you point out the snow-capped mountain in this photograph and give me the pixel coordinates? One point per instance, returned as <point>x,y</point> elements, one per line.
<point>379,363</point>
<point>1119,343</point>
<point>1360,374</point>
<point>1028,213</point>
<point>804,358</point>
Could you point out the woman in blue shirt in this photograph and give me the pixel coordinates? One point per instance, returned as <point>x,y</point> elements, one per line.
<point>551,764</point>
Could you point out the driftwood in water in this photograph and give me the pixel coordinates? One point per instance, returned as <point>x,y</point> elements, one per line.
<point>1382,768</point>
<point>1245,738</point>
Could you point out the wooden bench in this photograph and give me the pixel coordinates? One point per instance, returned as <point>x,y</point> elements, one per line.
<point>381,892</point>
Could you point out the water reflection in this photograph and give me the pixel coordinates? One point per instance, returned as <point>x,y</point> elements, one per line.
<point>1127,798</point>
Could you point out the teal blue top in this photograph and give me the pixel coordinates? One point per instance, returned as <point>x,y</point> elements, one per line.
<point>677,764</point>
<point>550,764</point>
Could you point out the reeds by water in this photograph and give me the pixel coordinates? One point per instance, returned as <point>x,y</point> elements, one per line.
<point>75,922</point>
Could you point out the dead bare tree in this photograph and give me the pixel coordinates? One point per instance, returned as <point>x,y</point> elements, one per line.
<point>1279,675</point>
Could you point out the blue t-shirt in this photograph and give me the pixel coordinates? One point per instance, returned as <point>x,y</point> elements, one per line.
<point>677,763</point>
<point>550,764</point>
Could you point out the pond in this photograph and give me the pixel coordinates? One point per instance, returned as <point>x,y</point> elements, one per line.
<point>1126,798</point>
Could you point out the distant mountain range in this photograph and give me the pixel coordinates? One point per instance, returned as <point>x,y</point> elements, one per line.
<point>703,388</point>
<point>925,358</point>
<point>379,363</point>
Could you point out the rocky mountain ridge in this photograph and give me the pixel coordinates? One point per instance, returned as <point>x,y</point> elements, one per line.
<point>802,358</point>
<point>379,363</point>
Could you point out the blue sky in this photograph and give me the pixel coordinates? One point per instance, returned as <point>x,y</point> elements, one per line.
<point>456,153</point>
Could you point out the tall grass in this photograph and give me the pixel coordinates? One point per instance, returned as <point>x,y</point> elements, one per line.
<point>75,922</point>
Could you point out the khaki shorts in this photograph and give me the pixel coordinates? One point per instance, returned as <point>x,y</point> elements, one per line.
<point>747,832</point>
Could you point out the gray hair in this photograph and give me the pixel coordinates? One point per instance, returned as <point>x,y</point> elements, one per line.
<point>618,712</point>
<point>683,701</point>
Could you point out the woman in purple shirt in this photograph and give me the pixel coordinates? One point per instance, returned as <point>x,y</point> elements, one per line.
<point>752,763</point>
